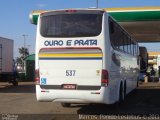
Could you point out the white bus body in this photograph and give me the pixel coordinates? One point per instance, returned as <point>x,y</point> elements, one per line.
<point>83,56</point>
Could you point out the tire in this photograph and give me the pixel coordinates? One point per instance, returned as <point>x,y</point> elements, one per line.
<point>121,94</point>
<point>65,104</point>
<point>121,97</point>
<point>124,91</point>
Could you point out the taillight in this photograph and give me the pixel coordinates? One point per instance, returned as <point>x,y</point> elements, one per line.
<point>104,79</point>
<point>37,79</point>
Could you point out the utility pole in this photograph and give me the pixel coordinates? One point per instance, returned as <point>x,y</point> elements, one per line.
<point>97,3</point>
<point>28,47</point>
<point>24,36</point>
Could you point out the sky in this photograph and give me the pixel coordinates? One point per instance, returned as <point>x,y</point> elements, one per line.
<point>14,14</point>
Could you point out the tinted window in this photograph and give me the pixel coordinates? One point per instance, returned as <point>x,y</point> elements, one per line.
<point>120,39</point>
<point>126,43</point>
<point>71,25</point>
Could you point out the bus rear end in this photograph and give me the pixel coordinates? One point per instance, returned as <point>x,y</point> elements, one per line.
<point>69,57</point>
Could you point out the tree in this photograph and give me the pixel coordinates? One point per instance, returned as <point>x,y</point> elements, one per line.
<point>23,53</point>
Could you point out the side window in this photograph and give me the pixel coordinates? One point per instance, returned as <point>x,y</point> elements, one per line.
<point>135,49</point>
<point>111,26</point>
<point>129,45</point>
<point>125,44</point>
<point>116,36</point>
<point>113,34</point>
<point>120,39</point>
<point>132,48</point>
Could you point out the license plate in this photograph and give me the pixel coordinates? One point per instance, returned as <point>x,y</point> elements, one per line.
<point>69,86</point>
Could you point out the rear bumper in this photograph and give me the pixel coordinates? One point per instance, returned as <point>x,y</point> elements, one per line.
<point>73,96</point>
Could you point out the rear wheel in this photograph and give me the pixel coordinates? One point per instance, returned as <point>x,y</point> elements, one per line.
<point>121,94</point>
<point>65,104</point>
<point>124,91</point>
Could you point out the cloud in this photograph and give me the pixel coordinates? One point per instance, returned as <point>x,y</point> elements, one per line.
<point>41,5</point>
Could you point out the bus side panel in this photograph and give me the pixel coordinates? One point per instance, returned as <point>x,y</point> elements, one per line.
<point>123,66</point>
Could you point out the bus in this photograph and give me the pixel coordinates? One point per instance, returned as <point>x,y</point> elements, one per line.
<point>143,54</point>
<point>83,56</point>
<point>143,59</point>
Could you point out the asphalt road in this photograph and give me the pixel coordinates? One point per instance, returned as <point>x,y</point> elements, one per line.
<point>19,102</point>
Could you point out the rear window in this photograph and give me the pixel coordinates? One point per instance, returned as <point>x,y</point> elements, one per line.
<point>71,25</point>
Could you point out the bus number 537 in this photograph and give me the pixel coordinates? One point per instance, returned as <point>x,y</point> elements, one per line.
<point>70,72</point>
